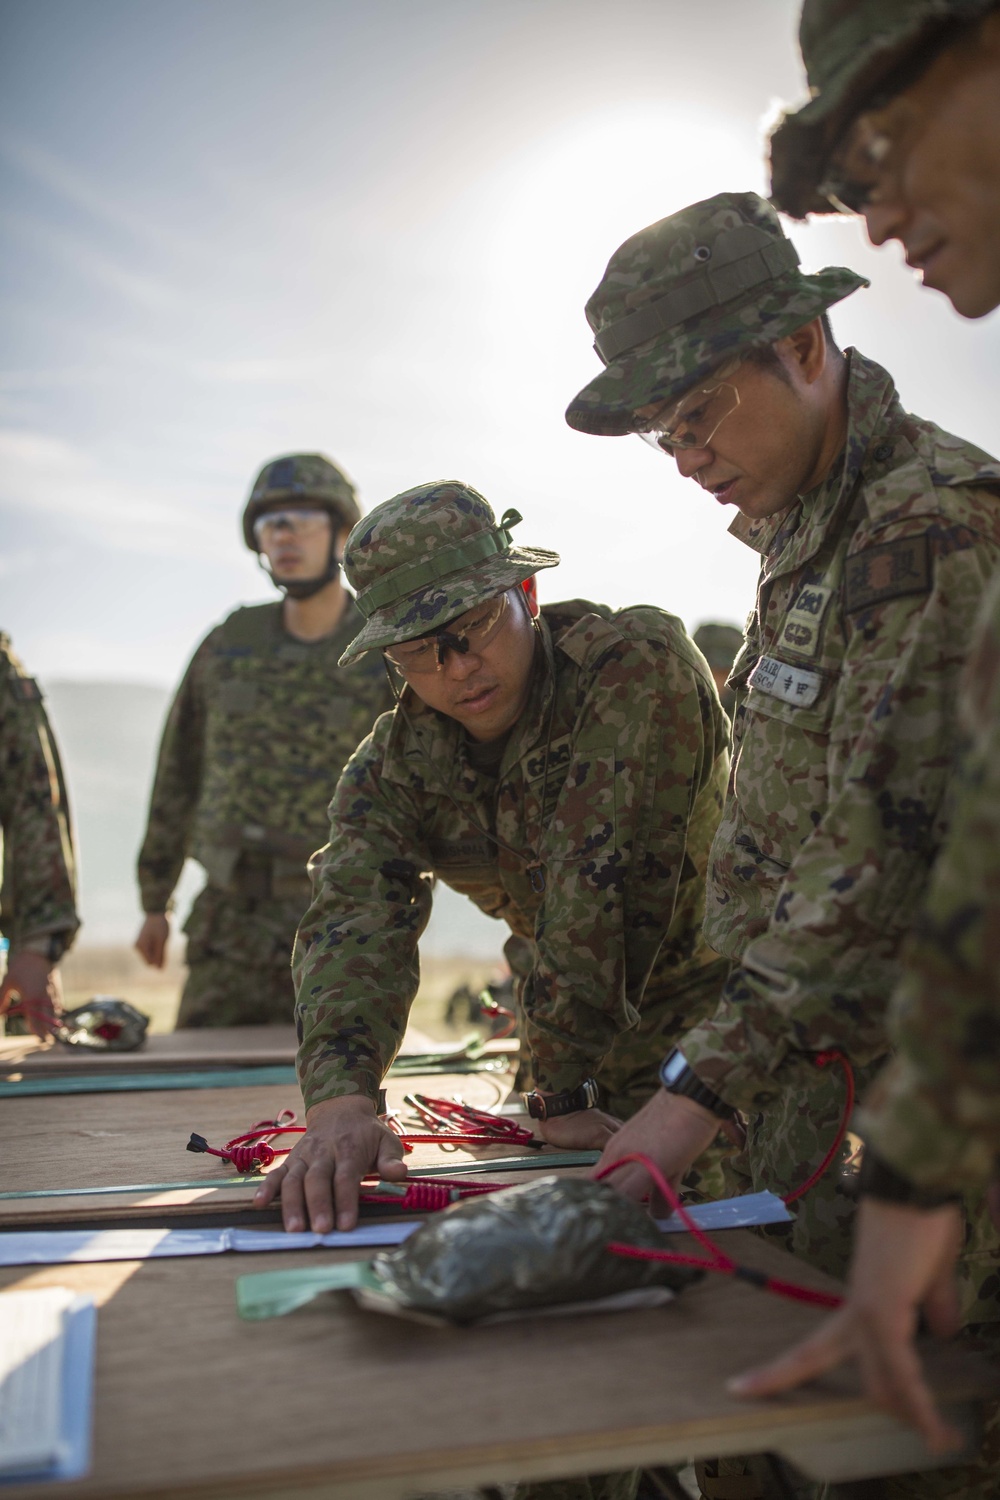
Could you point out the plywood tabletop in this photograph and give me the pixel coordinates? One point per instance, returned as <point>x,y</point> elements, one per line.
<point>342,1403</point>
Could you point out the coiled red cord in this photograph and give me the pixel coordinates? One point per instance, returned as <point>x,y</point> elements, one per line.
<point>717,1260</point>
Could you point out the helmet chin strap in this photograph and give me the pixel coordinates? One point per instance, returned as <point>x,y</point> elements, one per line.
<point>305,588</point>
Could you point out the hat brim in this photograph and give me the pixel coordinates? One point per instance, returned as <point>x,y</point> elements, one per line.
<point>433,607</point>
<point>665,367</point>
<point>802,140</point>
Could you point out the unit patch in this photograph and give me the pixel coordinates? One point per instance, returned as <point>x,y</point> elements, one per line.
<point>888,572</point>
<point>781,680</point>
<point>28,689</point>
<point>467,851</point>
<point>802,623</point>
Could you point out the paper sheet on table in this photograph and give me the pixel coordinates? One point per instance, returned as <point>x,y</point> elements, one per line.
<point>70,1458</point>
<point>51,1247</point>
<point>731,1213</point>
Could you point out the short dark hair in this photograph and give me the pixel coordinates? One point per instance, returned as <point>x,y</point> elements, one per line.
<point>765,356</point>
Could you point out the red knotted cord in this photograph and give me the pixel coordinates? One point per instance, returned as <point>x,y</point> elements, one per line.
<point>717,1260</point>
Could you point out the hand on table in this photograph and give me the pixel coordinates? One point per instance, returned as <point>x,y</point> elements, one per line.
<point>584,1130</point>
<point>32,982</point>
<point>903,1265</point>
<point>344,1142</point>
<point>151,944</point>
<point>671,1130</point>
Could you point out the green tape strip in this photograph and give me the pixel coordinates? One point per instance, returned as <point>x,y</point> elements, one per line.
<point>271,1294</point>
<point>219,1078</point>
<point>453,1169</point>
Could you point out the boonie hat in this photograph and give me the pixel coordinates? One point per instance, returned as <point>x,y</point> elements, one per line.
<point>679,297</point>
<point>849,48</point>
<point>424,557</point>
<point>297,477</point>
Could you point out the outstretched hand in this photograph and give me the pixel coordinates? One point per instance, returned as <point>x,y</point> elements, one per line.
<point>321,1177</point>
<point>903,1265</point>
<point>32,986</point>
<point>671,1130</point>
<point>583,1130</point>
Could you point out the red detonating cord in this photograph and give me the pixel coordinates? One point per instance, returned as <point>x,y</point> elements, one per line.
<point>822,1059</point>
<point>717,1260</point>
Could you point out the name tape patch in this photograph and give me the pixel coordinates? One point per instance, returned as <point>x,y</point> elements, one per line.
<point>887,572</point>
<point>781,680</point>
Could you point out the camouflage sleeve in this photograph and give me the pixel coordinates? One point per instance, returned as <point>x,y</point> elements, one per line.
<point>649,748</point>
<point>820,971</point>
<point>39,869</point>
<point>176,789</point>
<point>355,962</point>
<point>934,1114</point>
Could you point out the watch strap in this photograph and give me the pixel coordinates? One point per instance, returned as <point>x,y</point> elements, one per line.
<point>551,1106</point>
<point>678,1077</point>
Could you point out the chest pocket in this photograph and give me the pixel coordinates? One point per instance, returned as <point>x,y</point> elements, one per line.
<point>236,697</point>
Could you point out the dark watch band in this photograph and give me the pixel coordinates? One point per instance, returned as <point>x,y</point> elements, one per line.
<point>550,1106</point>
<point>878,1180</point>
<point>678,1077</point>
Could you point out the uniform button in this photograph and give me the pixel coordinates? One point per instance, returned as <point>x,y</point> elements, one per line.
<point>882,452</point>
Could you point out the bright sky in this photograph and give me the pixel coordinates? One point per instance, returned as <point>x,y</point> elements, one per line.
<point>234,229</point>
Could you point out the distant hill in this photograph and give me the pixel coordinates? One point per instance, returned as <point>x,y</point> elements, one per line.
<point>108,734</point>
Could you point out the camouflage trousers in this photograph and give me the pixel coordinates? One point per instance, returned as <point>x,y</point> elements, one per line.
<point>784,1145</point>
<point>238,955</point>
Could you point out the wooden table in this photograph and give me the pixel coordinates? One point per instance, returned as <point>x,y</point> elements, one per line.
<point>337,1403</point>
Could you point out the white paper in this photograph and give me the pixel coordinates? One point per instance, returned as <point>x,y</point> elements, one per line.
<point>52,1247</point>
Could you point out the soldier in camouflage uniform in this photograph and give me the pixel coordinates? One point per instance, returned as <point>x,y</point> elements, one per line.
<point>38,898</point>
<point>931,1123</point>
<point>876,551</point>
<point>260,729</point>
<point>565,771</point>
<point>720,645</point>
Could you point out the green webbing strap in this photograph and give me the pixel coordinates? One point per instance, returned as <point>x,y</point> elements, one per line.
<point>409,577</point>
<point>452,1169</point>
<point>730,275</point>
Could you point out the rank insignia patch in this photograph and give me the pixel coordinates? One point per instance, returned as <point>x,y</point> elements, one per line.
<point>800,632</point>
<point>889,572</point>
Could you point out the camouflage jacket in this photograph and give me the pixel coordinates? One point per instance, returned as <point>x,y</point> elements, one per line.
<point>260,730</point>
<point>934,1113</point>
<point>611,781</point>
<point>39,869</point>
<point>844,741</point>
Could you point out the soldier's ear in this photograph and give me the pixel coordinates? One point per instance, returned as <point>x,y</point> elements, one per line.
<point>530,588</point>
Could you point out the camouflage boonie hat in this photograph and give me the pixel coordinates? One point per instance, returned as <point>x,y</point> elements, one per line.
<point>849,48</point>
<point>424,557</point>
<point>718,644</point>
<point>295,478</point>
<point>715,279</point>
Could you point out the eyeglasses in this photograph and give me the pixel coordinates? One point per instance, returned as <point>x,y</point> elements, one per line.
<point>298,523</point>
<point>693,421</point>
<point>472,631</point>
<point>856,173</point>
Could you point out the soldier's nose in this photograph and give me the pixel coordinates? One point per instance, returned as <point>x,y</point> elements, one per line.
<point>690,460</point>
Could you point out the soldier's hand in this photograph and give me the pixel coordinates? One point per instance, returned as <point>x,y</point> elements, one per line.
<point>344,1142</point>
<point>33,984</point>
<point>671,1130</point>
<point>151,943</point>
<point>584,1130</point>
<point>903,1265</point>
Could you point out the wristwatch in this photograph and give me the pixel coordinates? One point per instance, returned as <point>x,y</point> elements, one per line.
<point>878,1180</point>
<point>678,1077</point>
<point>550,1106</point>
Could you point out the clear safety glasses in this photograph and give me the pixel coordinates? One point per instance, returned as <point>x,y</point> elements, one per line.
<point>693,421</point>
<point>298,523</point>
<point>472,631</point>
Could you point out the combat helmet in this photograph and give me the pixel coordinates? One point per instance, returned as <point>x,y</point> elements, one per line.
<point>292,480</point>
<point>418,561</point>
<point>681,296</point>
<point>852,51</point>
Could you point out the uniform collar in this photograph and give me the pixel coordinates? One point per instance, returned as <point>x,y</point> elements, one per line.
<point>789,540</point>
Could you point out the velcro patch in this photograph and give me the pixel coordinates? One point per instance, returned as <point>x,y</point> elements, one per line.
<point>467,851</point>
<point>800,632</point>
<point>888,572</point>
<point>781,680</point>
<point>28,689</point>
<point>560,753</point>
